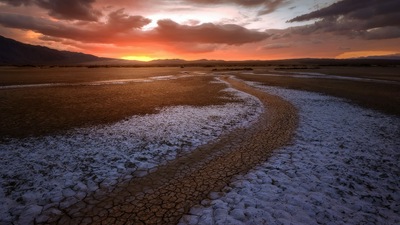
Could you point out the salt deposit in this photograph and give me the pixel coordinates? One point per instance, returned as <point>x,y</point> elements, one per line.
<point>37,173</point>
<point>342,168</point>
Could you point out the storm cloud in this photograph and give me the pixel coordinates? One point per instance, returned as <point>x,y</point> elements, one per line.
<point>207,33</point>
<point>123,28</point>
<point>267,6</point>
<point>370,19</point>
<point>62,9</point>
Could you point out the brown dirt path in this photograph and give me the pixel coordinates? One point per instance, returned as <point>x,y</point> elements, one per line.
<point>164,195</point>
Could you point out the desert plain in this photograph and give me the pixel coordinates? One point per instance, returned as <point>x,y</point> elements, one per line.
<point>200,145</point>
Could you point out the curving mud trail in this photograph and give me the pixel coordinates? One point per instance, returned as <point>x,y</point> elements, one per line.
<point>164,195</point>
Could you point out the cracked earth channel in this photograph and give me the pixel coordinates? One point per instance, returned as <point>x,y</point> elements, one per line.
<point>165,194</point>
<point>341,168</point>
<point>44,172</point>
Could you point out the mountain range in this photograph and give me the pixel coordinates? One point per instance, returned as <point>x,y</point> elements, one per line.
<point>14,53</point>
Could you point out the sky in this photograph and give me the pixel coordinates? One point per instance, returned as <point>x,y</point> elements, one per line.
<point>207,29</point>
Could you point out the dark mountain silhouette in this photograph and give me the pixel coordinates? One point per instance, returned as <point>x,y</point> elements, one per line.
<point>16,53</point>
<point>389,57</point>
<point>19,54</point>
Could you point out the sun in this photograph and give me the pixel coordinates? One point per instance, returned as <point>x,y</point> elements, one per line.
<point>138,58</point>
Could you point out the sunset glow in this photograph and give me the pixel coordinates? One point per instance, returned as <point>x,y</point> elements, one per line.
<point>348,55</point>
<point>139,58</point>
<point>214,29</point>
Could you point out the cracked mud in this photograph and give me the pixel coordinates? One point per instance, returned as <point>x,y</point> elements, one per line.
<point>163,195</point>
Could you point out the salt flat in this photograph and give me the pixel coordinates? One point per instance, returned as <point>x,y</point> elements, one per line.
<point>38,173</point>
<point>342,168</point>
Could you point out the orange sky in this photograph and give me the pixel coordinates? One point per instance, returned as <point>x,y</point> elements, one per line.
<point>210,29</point>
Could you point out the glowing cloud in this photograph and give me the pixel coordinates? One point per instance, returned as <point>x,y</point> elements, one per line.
<point>213,29</point>
<point>138,58</point>
<point>358,54</point>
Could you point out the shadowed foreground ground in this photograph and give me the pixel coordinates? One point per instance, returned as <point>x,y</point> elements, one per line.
<point>164,195</point>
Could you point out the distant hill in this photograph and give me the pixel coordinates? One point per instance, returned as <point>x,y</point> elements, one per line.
<point>388,57</point>
<point>19,54</point>
<point>16,53</point>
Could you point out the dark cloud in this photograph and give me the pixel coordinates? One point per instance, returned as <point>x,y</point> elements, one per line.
<point>194,48</point>
<point>17,2</point>
<point>369,19</point>
<point>383,33</point>
<point>277,46</point>
<point>207,33</point>
<point>71,9</point>
<point>63,9</point>
<point>119,20</point>
<point>125,29</point>
<point>43,26</point>
<point>271,6</point>
<point>339,8</point>
<point>118,23</point>
<point>267,6</point>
